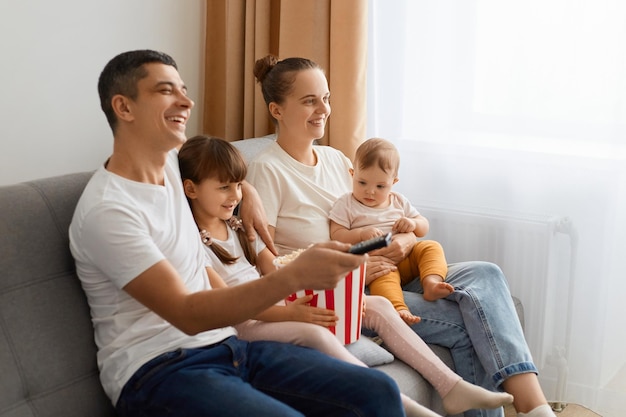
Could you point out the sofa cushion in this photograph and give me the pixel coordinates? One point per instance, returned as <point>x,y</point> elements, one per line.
<point>249,148</point>
<point>47,352</point>
<point>369,352</point>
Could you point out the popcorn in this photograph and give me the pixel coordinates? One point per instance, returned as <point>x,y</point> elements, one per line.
<point>283,260</point>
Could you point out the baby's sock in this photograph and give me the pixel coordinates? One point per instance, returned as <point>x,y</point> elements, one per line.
<point>413,409</point>
<point>542,411</point>
<point>465,396</point>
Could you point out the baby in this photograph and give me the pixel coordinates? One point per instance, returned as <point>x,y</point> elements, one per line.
<point>373,209</point>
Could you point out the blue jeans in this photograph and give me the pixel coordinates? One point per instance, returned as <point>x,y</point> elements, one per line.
<point>237,378</point>
<point>478,323</point>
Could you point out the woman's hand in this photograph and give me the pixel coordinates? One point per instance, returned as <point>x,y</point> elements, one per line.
<point>377,266</point>
<point>383,261</point>
<point>253,216</point>
<point>399,248</point>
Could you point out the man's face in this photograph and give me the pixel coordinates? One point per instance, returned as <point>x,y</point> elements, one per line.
<point>162,108</point>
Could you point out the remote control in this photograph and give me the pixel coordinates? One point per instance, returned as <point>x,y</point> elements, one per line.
<point>371,244</point>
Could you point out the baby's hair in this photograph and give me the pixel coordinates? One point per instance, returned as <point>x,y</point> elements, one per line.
<point>380,152</point>
<point>202,157</point>
<point>277,77</point>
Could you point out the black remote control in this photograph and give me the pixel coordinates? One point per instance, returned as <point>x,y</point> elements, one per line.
<point>371,244</point>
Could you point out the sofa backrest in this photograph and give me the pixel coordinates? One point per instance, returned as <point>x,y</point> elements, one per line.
<point>47,350</point>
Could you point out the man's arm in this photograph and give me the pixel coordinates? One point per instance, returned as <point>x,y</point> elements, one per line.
<point>160,289</point>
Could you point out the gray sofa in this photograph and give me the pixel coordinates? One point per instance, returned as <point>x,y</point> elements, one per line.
<point>47,350</point>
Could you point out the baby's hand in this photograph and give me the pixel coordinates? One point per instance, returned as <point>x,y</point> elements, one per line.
<point>370,232</point>
<point>404,225</point>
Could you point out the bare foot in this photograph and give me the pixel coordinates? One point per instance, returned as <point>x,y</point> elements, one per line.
<point>435,288</point>
<point>408,317</point>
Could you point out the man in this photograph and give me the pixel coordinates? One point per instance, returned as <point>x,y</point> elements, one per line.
<point>164,342</point>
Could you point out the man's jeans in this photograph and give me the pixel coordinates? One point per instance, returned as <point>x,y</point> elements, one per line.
<point>478,323</point>
<point>237,378</point>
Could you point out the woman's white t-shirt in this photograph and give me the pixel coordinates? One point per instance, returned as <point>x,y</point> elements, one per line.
<point>297,198</point>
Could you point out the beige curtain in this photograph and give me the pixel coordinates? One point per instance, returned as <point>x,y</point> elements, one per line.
<point>333,33</point>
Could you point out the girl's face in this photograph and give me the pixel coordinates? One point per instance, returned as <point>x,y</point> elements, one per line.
<point>216,199</point>
<point>371,186</point>
<point>306,109</point>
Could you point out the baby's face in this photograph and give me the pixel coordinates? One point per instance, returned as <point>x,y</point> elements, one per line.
<point>371,186</point>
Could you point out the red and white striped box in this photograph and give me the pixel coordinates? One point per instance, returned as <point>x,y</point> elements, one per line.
<point>347,302</point>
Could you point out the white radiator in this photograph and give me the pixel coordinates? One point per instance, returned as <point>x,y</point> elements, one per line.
<point>537,255</point>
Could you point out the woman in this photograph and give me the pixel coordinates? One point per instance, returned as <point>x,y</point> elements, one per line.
<point>298,183</point>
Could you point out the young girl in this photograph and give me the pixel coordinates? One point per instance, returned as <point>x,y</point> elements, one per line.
<point>212,171</point>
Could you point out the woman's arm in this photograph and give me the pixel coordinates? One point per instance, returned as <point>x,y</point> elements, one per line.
<point>253,216</point>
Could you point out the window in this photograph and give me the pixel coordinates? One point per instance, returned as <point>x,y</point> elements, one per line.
<point>537,75</point>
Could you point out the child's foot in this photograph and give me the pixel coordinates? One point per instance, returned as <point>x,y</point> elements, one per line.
<point>465,396</point>
<point>435,288</point>
<point>408,317</point>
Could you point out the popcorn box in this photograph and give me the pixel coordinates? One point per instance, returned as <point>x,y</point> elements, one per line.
<point>346,300</point>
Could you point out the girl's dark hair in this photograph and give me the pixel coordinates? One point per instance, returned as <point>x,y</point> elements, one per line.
<point>277,77</point>
<point>381,152</point>
<point>203,157</point>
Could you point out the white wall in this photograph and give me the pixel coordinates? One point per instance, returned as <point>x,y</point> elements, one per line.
<point>52,55</point>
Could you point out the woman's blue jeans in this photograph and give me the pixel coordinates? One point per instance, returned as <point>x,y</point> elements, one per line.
<point>237,378</point>
<point>478,323</point>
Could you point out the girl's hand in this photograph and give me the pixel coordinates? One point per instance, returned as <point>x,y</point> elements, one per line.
<point>300,310</point>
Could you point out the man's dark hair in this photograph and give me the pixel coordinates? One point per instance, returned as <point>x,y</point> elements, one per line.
<point>121,74</point>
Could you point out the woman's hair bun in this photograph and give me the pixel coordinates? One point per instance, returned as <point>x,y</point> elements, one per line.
<point>263,66</point>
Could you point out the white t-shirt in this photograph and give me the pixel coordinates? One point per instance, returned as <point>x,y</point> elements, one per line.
<point>351,214</point>
<point>120,229</point>
<point>241,271</point>
<point>298,197</point>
